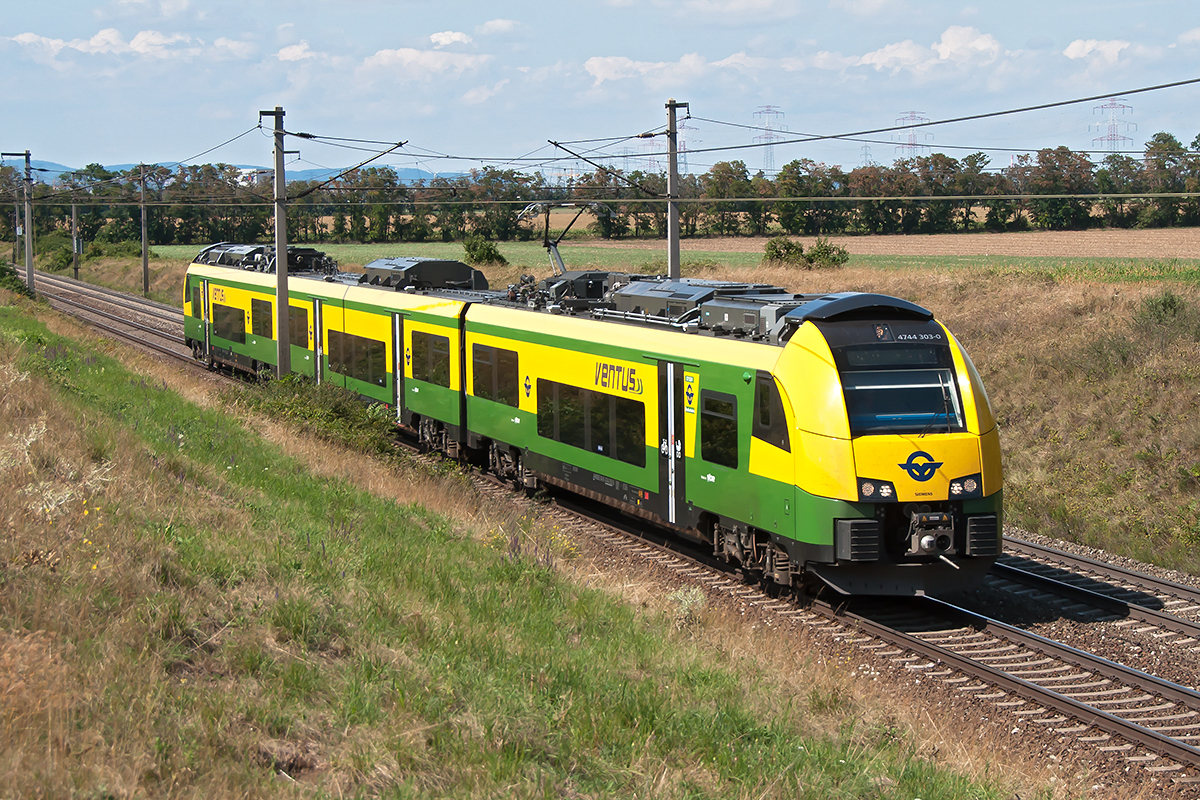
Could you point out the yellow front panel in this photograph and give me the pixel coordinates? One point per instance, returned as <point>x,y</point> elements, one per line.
<point>771,462</point>
<point>807,369</point>
<point>825,466</point>
<point>943,457</point>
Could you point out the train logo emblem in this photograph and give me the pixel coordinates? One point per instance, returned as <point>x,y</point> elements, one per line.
<point>528,386</point>
<point>619,377</point>
<point>920,470</point>
<point>883,332</point>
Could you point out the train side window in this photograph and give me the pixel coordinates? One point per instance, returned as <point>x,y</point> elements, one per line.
<point>611,426</point>
<point>770,424</point>
<point>197,301</point>
<point>337,352</point>
<point>431,358</point>
<point>298,326</point>
<point>599,429</point>
<point>229,323</point>
<point>545,408</point>
<point>260,318</point>
<point>358,357</point>
<point>629,420</point>
<point>571,420</point>
<point>483,371</point>
<point>496,374</point>
<point>508,377</point>
<point>718,428</point>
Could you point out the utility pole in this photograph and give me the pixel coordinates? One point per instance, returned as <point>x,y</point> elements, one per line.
<point>28,218</point>
<point>673,269</point>
<point>75,239</point>
<point>283,341</point>
<point>145,244</point>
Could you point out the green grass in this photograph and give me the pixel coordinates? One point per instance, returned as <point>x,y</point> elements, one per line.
<point>530,255</point>
<point>650,255</point>
<point>253,617</point>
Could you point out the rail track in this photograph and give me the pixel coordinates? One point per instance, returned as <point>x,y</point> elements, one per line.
<point>142,322</point>
<point>1128,714</point>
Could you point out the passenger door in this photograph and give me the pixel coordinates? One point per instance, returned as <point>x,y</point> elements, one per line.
<point>675,403</point>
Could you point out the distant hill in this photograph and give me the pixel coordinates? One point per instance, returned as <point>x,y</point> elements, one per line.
<point>50,171</point>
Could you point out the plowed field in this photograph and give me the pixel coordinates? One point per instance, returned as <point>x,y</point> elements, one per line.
<point>1160,243</point>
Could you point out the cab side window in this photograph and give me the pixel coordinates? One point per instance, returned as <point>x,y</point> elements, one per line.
<point>718,428</point>
<point>770,424</point>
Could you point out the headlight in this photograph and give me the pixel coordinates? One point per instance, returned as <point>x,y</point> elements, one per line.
<point>966,487</point>
<point>876,491</point>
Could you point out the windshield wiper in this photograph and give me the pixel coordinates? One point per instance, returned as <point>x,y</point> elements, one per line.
<point>945,410</point>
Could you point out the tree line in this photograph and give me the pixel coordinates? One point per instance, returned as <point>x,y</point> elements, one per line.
<point>1052,189</point>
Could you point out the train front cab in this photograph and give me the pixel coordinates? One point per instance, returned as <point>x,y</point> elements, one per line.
<point>897,453</point>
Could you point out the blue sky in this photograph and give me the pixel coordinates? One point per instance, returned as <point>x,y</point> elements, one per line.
<point>125,81</point>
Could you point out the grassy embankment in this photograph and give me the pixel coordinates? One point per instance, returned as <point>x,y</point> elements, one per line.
<point>1091,364</point>
<point>196,602</point>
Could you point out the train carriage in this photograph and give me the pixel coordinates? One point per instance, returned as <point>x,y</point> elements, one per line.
<point>839,440</point>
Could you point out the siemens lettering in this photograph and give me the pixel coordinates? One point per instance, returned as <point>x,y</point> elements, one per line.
<point>618,377</point>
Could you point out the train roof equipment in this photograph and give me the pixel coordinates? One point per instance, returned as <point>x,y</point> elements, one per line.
<point>754,311</point>
<point>261,258</point>
<point>401,273</point>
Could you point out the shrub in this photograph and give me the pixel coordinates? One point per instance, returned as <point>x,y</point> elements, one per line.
<point>1162,307</point>
<point>125,249</point>
<point>785,251</point>
<point>479,250</point>
<point>823,253</point>
<point>11,280</point>
<point>60,260</point>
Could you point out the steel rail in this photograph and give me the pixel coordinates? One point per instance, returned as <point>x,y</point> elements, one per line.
<point>122,320</point>
<point>165,312</point>
<point>1110,723</point>
<point>1139,579</point>
<point>1099,599</point>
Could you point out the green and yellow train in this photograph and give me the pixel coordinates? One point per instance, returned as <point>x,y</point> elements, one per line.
<point>842,440</point>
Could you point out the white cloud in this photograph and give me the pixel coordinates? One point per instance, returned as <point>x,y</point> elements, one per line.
<point>151,44</point>
<point>656,73</point>
<point>496,26</point>
<point>483,93</point>
<point>1190,37</point>
<point>234,48</point>
<point>961,44</point>
<point>449,37</point>
<point>106,41</point>
<point>155,44</point>
<point>1106,50</point>
<point>744,62</point>
<point>295,52</point>
<point>409,63</point>
<point>898,56</point>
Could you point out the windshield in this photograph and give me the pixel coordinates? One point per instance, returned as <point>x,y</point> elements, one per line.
<point>901,401</point>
